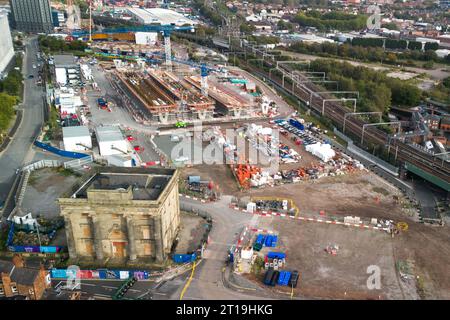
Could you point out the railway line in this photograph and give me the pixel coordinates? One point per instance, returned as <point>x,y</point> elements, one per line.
<point>335,111</point>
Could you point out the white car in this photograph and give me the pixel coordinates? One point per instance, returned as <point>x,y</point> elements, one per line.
<point>34,66</point>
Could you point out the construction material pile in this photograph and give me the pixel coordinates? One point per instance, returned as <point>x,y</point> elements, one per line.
<point>262,139</point>
<point>321,150</point>
<point>268,107</point>
<point>214,135</point>
<point>288,155</point>
<point>340,165</point>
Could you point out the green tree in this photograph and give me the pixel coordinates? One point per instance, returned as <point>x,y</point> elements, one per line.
<point>7,104</point>
<point>446,82</point>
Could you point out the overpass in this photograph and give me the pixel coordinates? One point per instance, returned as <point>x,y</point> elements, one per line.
<point>427,176</point>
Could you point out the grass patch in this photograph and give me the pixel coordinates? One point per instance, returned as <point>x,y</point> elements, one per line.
<point>33,179</point>
<point>380,190</point>
<point>66,172</point>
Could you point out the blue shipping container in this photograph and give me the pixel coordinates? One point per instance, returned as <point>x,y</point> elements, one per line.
<point>276,255</point>
<point>296,124</point>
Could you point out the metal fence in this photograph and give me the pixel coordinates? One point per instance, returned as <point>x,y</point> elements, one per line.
<point>77,163</point>
<point>42,164</point>
<point>371,158</point>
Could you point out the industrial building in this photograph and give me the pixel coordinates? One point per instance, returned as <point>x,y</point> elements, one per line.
<point>76,138</point>
<point>32,15</point>
<point>111,141</point>
<point>159,16</point>
<point>67,70</point>
<point>6,44</point>
<point>123,214</point>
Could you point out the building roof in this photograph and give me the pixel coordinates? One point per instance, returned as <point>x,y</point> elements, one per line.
<point>64,60</point>
<point>160,16</point>
<point>145,183</point>
<point>25,276</point>
<point>6,267</point>
<point>75,132</point>
<point>109,134</point>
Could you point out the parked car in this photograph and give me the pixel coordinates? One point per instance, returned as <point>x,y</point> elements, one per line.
<point>294,279</point>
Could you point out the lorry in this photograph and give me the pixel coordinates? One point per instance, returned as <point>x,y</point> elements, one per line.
<point>102,103</point>
<point>296,124</point>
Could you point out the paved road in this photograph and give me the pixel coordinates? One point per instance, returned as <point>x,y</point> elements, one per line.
<point>118,115</point>
<point>227,227</point>
<point>19,151</point>
<point>207,280</point>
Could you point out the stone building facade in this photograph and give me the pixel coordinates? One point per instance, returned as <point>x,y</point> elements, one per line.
<point>125,214</point>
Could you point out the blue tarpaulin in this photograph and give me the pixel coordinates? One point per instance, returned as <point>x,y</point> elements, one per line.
<point>183,258</point>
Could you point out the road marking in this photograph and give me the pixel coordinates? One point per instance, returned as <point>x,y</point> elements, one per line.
<point>159,293</point>
<point>102,296</point>
<point>189,281</point>
<point>108,287</point>
<point>88,284</point>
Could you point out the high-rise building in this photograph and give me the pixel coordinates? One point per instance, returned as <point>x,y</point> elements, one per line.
<point>32,15</point>
<point>6,44</point>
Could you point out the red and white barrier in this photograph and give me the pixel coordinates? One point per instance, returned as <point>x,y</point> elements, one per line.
<point>278,214</point>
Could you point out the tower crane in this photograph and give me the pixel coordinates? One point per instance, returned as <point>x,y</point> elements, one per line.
<point>165,29</point>
<point>204,70</point>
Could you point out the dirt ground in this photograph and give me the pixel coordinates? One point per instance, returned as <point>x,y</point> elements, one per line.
<point>422,248</point>
<point>341,276</point>
<point>425,249</point>
<point>191,232</point>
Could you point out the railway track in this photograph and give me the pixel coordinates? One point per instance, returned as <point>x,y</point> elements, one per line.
<point>335,111</point>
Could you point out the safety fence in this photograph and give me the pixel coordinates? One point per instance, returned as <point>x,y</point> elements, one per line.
<point>62,153</point>
<point>30,248</point>
<point>77,163</point>
<point>41,164</point>
<point>65,274</point>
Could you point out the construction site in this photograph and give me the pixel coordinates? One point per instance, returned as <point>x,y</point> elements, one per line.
<point>165,98</point>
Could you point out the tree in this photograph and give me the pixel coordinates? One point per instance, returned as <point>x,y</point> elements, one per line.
<point>446,82</point>
<point>7,104</point>
<point>12,84</point>
<point>390,26</point>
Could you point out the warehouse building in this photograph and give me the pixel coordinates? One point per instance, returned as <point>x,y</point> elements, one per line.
<point>76,138</point>
<point>6,44</point>
<point>123,214</point>
<point>111,141</point>
<point>159,16</point>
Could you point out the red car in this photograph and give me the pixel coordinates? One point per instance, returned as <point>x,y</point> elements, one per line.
<point>138,149</point>
<point>131,138</point>
<point>149,163</point>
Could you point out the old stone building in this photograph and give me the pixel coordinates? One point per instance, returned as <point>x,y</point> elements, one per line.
<point>123,214</point>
